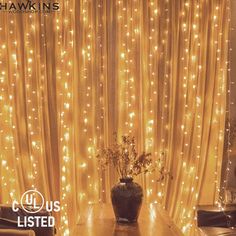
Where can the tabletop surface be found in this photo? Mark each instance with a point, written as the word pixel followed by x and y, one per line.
pixel 216 231
pixel 100 221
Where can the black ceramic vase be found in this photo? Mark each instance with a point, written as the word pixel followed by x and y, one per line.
pixel 126 197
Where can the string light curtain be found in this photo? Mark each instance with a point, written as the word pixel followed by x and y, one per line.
pixel 70 79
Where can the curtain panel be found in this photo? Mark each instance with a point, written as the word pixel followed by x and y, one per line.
pixel 69 79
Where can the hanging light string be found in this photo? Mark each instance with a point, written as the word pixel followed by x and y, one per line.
pixel 223 191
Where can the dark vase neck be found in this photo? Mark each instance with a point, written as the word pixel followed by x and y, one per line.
pixel 126 180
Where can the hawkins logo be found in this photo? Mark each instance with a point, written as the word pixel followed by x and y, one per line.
pixel 32 202
pixel 29 7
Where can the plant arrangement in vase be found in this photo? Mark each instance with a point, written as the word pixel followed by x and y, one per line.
pixel 127 195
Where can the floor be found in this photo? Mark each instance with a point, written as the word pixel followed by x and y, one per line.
pixel 100 221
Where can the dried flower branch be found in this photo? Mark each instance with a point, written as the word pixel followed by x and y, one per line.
pixel 124 158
